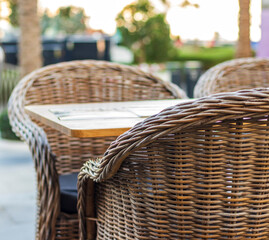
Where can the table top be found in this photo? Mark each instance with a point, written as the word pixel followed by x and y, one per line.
pixel 97 119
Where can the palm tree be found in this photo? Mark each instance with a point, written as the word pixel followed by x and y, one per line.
pixel 30 39
pixel 243 44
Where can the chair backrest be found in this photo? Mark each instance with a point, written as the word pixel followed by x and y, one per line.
pixel 81 82
pixel 233 75
pixel 198 170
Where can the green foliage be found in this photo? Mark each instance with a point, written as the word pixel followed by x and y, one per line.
pixel 145 32
pixel 46 22
pixel 13 16
pixel 160 43
pixel 187 3
pixel 5 127
pixel 69 20
pixel 9 77
pixel 207 56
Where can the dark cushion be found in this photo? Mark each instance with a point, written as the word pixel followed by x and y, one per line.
pixel 68 190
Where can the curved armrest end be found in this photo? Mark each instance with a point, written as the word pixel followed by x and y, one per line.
pixel 176 90
pixel 86 202
pixel 91 169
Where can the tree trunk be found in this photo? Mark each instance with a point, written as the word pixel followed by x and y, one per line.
pixel 243 44
pixel 30 39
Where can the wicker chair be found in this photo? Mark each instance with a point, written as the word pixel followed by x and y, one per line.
pixel 197 170
pixel 233 75
pixel 55 154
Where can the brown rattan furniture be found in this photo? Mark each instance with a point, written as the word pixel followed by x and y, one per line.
pixel 56 155
pixel 198 170
pixel 233 75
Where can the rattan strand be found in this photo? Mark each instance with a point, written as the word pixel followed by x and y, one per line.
pixel 198 170
pixel 54 153
pixel 233 75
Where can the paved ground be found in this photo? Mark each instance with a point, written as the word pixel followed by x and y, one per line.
pixel 17 192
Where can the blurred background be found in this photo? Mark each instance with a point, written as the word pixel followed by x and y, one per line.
pixel 175 39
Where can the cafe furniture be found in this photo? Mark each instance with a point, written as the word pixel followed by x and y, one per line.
pixel 233 75
pixel 196 170
pixel 59 157
pixel 91 120
pixel 102 119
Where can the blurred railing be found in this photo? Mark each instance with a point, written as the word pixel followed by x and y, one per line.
pixel 9 77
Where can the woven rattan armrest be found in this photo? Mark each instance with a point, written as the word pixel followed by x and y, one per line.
pixel 208 110
pixel 44 159
pixel 175 118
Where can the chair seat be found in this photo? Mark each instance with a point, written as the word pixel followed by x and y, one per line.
pixel 68 191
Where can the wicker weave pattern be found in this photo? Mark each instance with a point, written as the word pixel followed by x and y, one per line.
pixel 197 170
pixel 54 153
pixel 234 75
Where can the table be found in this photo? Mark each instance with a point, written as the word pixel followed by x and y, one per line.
pixel 97 119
